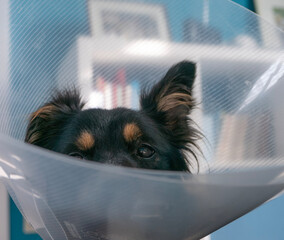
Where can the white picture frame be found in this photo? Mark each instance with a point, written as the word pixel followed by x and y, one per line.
pixel 272 11
pixel 127 20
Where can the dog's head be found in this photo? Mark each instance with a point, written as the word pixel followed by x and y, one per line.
pixel 155 137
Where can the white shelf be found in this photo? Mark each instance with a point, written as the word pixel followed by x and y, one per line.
pixel 119 50
pixel 90 51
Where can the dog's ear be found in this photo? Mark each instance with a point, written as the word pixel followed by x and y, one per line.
pixel 170 101
pixel 171 98
pixel 46 124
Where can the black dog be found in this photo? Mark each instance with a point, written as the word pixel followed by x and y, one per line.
pixel 155 137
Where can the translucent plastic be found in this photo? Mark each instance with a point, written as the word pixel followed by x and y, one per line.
pixel 131 44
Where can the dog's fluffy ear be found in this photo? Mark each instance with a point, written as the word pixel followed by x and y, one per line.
pixel 46 124
pixel 170 101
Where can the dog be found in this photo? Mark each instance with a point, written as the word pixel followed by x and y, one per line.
pixel 158 136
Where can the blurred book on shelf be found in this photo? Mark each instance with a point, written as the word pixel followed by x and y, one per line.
pixel 243 137
pixel 113 91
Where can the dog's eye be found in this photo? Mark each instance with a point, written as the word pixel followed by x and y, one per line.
pixel 145 151
pixel 76 154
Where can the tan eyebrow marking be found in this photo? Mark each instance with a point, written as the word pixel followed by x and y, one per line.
pixel 85 141
pixel 131 132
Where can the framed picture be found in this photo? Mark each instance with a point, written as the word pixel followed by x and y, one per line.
pixel 128 20
pixel 273 12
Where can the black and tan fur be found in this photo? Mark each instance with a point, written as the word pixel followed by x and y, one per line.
pixel 155 137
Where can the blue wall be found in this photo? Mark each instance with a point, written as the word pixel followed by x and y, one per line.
pixel 35 28
pixel 264 223
pixel 246 3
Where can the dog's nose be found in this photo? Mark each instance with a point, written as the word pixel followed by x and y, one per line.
pixel 122 161
pixel 117 159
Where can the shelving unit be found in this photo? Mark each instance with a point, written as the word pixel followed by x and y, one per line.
pixel 233 67
pixel 214 60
